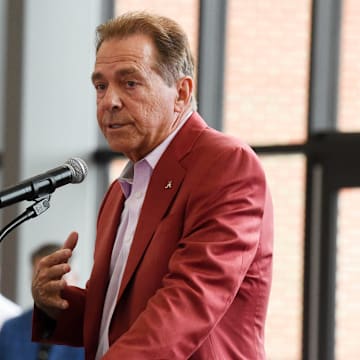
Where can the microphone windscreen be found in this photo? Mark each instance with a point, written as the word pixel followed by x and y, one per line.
pixel 78 168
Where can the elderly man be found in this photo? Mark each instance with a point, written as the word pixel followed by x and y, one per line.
pixel 183 253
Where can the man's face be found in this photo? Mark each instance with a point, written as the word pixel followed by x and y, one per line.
pixel 136 109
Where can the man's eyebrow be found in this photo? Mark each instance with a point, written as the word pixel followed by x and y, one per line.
pixel 96 76
pixel 119 73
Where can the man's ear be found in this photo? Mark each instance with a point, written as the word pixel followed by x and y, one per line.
pixel 184 89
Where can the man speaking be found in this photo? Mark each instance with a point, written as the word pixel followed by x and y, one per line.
pixel 183 253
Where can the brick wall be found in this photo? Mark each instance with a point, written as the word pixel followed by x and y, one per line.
pixel 267 70
pixel 349 79
pixel 348 275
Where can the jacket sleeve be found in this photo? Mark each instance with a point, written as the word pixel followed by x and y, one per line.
pixel 68 329
pixel 222 225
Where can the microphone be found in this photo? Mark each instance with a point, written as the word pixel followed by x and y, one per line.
pixel 73 171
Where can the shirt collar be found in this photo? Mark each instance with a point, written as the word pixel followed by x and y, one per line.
pixel 154 156
pixel 127 175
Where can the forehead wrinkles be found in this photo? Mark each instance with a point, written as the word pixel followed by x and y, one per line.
pixel 125 50
pixel 123 67
pixel 119 68
pixel 127 53
pixel 102 59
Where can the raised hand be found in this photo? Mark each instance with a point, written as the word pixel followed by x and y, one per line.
pixel 48 281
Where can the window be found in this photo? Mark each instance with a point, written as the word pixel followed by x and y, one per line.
pixel 349 82
pixel 267 70
pixel 278 97
pixel 265 104
pixel 347 276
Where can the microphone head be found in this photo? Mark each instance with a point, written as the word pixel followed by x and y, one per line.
pixel 78 168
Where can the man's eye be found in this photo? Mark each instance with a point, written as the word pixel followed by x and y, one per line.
pixel 99 87
pixel 131 84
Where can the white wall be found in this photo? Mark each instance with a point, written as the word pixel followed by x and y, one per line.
pixel 58 122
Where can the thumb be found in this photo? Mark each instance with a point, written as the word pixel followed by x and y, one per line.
pixel 71 241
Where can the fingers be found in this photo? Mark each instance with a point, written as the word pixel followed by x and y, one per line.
pixel 47 293
pixel 55 272
pixel 47 297
pixel 48 279
pixel 71 241
pixel 62 255
pixel 58 257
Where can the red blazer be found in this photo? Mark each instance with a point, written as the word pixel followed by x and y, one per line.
pixel 197 280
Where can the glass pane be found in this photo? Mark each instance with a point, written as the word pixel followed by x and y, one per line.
pixel 347 276
pixel 284 322
pixel 188 19
pixel 266 80
pixel 349 82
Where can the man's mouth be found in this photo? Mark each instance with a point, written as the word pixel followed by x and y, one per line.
pixel 115 126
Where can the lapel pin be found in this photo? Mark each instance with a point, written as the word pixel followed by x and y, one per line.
pixel 169 185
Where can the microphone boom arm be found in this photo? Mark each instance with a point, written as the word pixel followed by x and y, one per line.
pixel 36 209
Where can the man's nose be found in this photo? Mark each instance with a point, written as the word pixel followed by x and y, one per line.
pixel 112 99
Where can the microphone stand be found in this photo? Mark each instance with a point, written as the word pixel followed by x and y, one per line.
pixel 36 209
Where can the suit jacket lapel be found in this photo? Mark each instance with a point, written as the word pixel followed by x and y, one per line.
pixel 108 222
pixel 160 193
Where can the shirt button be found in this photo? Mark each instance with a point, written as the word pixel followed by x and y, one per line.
pixel 138 194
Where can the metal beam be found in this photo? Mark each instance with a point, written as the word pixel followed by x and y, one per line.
pixel 211 61
pixel 326 24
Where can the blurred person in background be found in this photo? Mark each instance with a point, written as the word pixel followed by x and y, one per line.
pixel 15 335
